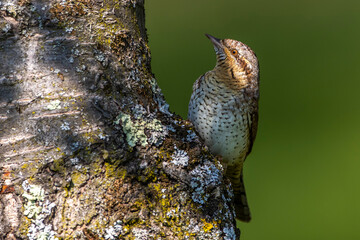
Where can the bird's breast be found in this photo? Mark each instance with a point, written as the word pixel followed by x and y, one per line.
pixel 221 119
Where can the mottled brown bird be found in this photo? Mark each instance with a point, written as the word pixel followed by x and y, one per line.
pixel 224 110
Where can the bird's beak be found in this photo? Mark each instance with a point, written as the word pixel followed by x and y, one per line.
pixel 216 42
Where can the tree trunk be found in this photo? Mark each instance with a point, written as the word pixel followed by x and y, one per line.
pixel 88 147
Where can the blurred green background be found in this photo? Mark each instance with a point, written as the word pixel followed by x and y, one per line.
pixel 303 176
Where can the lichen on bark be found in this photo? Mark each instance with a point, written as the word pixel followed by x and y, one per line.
pixel 88 146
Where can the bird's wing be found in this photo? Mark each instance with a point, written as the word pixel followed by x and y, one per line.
pixel 253 126
pixel 252 120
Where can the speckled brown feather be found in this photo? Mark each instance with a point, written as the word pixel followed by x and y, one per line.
pixel 224 110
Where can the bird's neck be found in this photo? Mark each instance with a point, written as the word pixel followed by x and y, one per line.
pixel 230 77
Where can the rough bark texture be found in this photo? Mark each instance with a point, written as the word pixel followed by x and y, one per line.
pixel 88 147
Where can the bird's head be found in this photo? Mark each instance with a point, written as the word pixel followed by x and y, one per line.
pixel 235 61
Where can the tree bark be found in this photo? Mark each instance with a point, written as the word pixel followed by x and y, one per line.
pixel 88 147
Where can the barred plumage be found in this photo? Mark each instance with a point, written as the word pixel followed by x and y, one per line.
pixel 224 110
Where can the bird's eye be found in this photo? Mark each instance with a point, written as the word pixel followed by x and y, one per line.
pixel 234 52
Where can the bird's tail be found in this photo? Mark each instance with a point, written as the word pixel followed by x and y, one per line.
pixel 242 209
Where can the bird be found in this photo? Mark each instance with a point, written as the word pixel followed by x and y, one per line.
pixel 223 109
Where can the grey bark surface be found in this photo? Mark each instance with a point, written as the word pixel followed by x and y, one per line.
pixel 88 146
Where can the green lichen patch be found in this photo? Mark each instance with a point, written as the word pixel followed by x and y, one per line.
pixel 135 130
pixel 37 208
pixel 33 195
